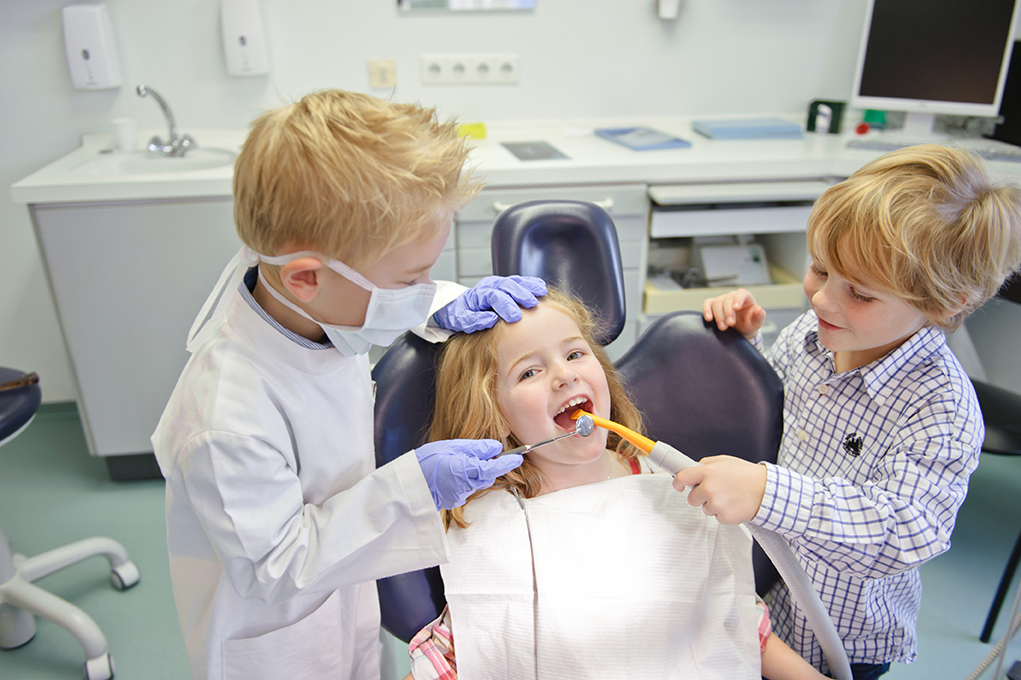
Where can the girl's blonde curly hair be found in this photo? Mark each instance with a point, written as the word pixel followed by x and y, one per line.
pixel 467 406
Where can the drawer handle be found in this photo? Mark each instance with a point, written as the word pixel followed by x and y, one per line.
pixel 606 204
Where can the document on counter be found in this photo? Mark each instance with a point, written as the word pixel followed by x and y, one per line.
pixel 534 151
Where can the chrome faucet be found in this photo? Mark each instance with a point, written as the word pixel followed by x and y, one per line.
pixel 177 145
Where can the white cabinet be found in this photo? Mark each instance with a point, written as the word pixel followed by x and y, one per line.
pixel 686 217
pixel 128 278
pixel 627 204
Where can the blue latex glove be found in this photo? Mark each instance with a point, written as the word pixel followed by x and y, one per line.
pixel 455 468
pixel 490 298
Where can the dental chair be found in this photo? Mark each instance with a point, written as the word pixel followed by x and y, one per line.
pixel 20 600
pixel 680 365
pixel 703 391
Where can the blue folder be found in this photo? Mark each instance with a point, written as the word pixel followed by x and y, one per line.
pixel 757 128
pixel 642 138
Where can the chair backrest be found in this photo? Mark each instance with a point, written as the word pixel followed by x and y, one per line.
pixel 405 392
pixel 571 245
pixel 707 392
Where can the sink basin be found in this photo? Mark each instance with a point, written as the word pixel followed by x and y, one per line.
pixel 146 163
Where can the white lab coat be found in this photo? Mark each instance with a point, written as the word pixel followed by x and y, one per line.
pixel 619 579
pixel 278 522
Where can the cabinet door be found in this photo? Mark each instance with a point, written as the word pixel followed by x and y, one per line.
pixel 128 280
pixel 627 204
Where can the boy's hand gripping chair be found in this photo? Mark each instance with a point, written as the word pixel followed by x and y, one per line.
pixel 20 600
pixel 703 391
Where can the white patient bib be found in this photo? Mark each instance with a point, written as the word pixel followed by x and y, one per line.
pixel 629 582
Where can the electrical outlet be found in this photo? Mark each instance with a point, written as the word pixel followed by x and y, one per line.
pixel 469 69
pixel 382 73
pixel 505 68
pixel 434 69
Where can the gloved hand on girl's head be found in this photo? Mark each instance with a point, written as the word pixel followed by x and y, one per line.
pixel 492 298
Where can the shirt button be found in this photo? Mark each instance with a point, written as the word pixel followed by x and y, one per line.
pixel 823 389
pixel 802 435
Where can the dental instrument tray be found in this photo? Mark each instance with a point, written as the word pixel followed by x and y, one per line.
pixel 642 138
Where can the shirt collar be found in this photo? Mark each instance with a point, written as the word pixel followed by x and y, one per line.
pixel 246 288
pixel 883 374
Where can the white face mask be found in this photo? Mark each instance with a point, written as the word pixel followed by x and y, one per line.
pixel 391 312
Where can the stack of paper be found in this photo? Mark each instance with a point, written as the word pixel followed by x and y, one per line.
pixel 757 128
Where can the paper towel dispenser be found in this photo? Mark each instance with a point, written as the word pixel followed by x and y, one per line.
pixel 91 50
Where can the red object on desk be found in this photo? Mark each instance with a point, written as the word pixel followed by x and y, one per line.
pixel 862 128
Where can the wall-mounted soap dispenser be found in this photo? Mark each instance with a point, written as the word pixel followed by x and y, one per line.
pixel 90 47
pixel 244 42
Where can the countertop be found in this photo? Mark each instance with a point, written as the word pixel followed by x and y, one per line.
pixel 591 160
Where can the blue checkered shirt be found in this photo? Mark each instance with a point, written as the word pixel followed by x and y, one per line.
pixel 872 469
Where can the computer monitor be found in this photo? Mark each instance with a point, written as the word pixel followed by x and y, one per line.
pixel 928 57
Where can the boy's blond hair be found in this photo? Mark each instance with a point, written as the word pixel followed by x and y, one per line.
pixel 925 224
pixel 347 175
pixel 467 406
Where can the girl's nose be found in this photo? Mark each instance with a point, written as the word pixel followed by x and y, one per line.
pixel 564 374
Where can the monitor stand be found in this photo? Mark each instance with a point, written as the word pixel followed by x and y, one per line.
pixel 918 129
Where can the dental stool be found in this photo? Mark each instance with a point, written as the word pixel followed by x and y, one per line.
pixel 20 600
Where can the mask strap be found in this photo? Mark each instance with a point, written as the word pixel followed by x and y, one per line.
pixel 210 317
pixel 336 265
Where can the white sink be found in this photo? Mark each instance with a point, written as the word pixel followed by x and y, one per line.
pixel 146 163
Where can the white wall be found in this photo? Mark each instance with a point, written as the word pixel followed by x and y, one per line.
pixel 579 58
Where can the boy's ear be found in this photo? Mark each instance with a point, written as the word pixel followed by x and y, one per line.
pixel 301 278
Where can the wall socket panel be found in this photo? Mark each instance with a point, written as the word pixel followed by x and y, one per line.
pixel 469 69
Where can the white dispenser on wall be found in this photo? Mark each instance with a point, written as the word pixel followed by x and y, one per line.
pixel 91 50
pixel 244 41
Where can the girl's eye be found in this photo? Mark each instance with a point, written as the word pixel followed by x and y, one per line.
pixel 527 374
pixel 576 354
pixel 818 271
pixel 855 295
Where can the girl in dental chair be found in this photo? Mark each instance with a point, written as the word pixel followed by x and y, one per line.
pixel 580 564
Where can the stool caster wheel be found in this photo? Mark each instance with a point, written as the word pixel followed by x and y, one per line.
pixel 100 668
pixel 124 576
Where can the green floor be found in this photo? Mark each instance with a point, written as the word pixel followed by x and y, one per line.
pixel 53 493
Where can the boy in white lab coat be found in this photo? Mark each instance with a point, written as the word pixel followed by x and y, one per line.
pixel 278 522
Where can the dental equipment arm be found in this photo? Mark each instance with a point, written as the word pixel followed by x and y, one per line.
pixel 776 548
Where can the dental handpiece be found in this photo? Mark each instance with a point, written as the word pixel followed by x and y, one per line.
pixel 584 427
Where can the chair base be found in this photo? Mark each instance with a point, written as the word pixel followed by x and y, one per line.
pixel 21 600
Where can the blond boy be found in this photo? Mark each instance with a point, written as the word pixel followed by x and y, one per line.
pixel 278 522
pixel 882 427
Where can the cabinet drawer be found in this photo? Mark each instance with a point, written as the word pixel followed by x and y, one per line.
pixel 786 292
pixel 623 199
pixel 725 221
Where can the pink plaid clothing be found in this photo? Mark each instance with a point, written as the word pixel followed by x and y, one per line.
pixel 432 649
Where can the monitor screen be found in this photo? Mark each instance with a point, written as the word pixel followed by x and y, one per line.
pixel 935 56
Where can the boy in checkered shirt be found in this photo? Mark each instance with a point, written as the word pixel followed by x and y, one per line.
pixel 882 427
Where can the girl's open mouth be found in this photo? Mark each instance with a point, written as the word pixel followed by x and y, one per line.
pixel 563 417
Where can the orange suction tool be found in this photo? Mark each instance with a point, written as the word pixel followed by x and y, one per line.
pixel 643 443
